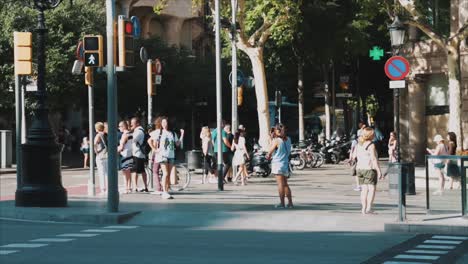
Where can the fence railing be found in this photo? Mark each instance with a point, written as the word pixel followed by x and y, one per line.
pixel 455 164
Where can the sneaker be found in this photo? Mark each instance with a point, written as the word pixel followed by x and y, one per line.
pixel 156 192
pixel 290 206
pixel 357 188
pixel 166 195
pixel 144 190
pixel 279 206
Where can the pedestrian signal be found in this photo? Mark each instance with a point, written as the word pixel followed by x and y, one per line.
pixel 125 42
pixel 93 51
pixel 89 76
pixel 240 95
pixel 23 53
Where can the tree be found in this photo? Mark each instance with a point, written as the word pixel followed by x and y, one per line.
pixel 259 21
pixel 66 25
pixel 451 45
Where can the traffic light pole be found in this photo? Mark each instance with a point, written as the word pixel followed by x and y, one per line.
pixel 19 121
pixel 149 76
pixel 92 176
pixel 234 121
pixel 219 102
pixel 112 190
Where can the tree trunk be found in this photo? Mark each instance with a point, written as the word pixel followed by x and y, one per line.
pixel 261 92
pixel 455 102
pixel 300 99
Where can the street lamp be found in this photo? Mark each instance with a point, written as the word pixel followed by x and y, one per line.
pixel 397 39
pixel 41 179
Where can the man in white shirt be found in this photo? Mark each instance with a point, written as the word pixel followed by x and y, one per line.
pixel 139 158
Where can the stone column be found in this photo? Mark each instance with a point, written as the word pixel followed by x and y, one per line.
pixel 173 26
pixel 416 120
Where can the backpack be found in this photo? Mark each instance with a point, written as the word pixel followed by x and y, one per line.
pixel 144 147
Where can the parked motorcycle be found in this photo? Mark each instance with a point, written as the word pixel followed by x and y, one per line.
pixel 259 165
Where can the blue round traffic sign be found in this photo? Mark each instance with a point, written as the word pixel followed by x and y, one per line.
pixel 240 78
pixel 397 68
pixel 136 26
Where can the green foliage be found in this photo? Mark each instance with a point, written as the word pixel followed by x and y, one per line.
pixel 66 25
pixel 372 105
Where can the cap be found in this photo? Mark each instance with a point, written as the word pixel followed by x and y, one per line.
pixel 241 127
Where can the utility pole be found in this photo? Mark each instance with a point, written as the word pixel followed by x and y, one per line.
pixel 113 192
pixel 92 176
pixel 235 122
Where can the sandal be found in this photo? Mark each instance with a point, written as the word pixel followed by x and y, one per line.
pixel 371 212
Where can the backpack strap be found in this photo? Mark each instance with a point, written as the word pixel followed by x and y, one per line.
pixel 372 143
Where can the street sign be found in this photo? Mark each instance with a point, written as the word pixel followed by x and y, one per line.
pixel 249 82
pixel 31 84
pixel 92 59
pixel 77 67
pixel 344 95
pixel 157 67
pixel 397 84
pixel 397 68
pixel 240 78
pixel 143 55
pixel 376 53
pixel 158 79
pixel 136 27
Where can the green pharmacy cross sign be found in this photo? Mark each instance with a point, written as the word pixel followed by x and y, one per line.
pixel 376 53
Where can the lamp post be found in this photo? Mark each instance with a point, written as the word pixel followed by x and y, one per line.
pixel 397 38
pixel 41 179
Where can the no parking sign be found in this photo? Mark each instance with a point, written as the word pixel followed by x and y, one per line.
pixel 397 68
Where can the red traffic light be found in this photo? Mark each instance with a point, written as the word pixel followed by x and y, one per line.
pixel 128 28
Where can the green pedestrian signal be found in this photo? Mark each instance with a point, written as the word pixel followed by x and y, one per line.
pixel 376 53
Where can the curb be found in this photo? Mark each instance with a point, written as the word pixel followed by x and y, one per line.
pixel 426 229
pixel 71 214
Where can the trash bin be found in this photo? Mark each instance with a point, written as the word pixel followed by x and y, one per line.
pixel 6 149
pixel 407 170
pixel 193 159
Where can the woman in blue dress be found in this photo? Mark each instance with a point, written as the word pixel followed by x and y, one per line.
pixel 279 152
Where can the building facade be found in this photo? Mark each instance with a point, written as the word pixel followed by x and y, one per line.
pixel 425 103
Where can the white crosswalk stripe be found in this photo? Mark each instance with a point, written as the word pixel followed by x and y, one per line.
pixel 100 230
pixel 451 237
pixel 78 235
pixel 421 257
pixel 24 245
pixel 436 252
pixel 433 241
pixel 52 240
pixel 6 252
pixel 406 262
pixel 435 247
pixel 121 227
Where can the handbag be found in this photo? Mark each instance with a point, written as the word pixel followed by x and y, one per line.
pixel 353 167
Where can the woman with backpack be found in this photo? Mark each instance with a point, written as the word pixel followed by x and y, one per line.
pixel 279 152
pixel 439 164
pixel 208 155
pixel 126 157
pixel 367 169
pixel 165 145
pixel 100 148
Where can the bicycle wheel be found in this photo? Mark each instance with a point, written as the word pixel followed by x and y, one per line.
pixel 182 179
pixel 320 159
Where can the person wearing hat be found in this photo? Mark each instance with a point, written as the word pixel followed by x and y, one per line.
pixel 439 164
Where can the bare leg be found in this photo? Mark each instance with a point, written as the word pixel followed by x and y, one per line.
pixel 287 191
pixel 364 193
pixel 85 160
pixel 145 179
pixel 135 180
pixel 441 179
pixel 165 177
pixel 370 197
pixel 357 180
pixel 451 182
pixel 279 181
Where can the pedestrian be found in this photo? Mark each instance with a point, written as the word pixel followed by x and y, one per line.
pixel 139 157
pixel 84 148
pixel 154 136
pixel 229 154
pixel 392 151
pixel 352 162
pixel 225 148
pixel 100 148
pixel 208 155
pixel 367 169
pixel 166 143
pixel 241 155
pixel 280 149
pixel 439 164
pixel 126 156
pixel 453 171
pixel 362 125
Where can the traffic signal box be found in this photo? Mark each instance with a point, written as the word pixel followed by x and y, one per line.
pixel 89 78
pixel 93 51
pixel 125 42
pixel 150 78
pixel 23 53
pixel 240 95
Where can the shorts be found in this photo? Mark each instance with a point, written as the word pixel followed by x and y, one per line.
pixel 439 165
pixel 367 177
pixel 168 161
pixel 138 165
pixel 280 169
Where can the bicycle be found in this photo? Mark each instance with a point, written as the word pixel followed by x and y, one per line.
pixel 180 183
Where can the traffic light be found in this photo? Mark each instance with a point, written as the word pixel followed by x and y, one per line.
pixel 23 53
pixel 240 95
pixel 89 78
pixel 125 42
pixel 93 51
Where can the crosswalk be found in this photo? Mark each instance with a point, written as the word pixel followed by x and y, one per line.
pixel 430 250
pixel 61 238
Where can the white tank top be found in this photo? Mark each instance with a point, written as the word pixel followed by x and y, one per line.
pixel 364 160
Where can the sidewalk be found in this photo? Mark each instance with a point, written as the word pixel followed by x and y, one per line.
pixel 324 201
